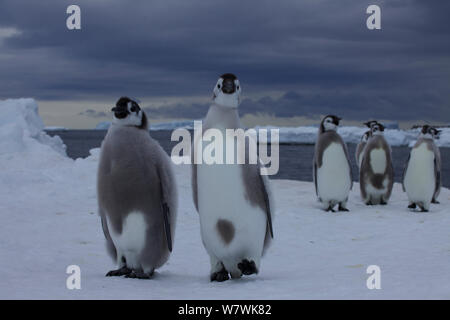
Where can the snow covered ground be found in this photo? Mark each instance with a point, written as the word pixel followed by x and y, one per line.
pixel 49 221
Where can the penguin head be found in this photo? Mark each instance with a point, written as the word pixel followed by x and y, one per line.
pixel 128 113
pixel 429 132
pixel 436 133
pixel 365 137
pixel 330 122
pixel 377 129
pixel 227 92
pixel 370 123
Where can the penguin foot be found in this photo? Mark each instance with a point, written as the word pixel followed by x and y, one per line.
pixel 412 206
pixel 138 274
pixel 220 276
pixel 435 201
pixel 369 203
pixel 330 208
pixel 341 208
pixel 383 203
pixel 119 272
pixel 247 267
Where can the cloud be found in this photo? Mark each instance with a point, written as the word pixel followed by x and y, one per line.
pixel 318 52
pixel 351 106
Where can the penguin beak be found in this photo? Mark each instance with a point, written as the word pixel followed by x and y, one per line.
pixel 228 86
pixel 120 112
pixel 336 120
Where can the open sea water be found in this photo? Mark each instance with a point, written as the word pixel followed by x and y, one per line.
pixel 295 159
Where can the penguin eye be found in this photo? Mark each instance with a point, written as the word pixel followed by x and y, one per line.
pixel 133 109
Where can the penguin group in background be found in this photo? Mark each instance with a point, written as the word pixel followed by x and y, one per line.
pixel 137 195
pixel 360 148
pixel 422 174
pixel 233 200
pixel 331 166
pixel 376 174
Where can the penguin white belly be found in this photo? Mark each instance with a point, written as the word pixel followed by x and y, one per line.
pixel 221 197
pixel 419 178
pixel 131 241
pixel 333 177
pixel 378 160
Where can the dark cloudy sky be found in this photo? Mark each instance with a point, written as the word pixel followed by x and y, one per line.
pixel 297 58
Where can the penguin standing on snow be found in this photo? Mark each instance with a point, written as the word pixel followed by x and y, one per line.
pixel 376 175
pixel 422 177
pixel 360 148
pixel 331 166
pixel 137 195
pixel 233 200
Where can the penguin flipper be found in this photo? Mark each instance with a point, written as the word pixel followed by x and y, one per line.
pixel 194 185
pixel 109 243
pixel 437 174
pixel 349 164
pixel 404 172
pixel 267 202
pixel 315 176
pixel 166 215
pixel 194 174
pixel 165 207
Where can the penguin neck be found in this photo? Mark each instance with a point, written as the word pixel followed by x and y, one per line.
pixel 144 122
pixel 426 136
pixel 323 130
pixel 220 116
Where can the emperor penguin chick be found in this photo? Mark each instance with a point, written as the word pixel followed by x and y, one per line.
pixel 137 195
pixel 233 200
pixel 422 176
pixel 361 146
pixel 331 166
pixel 376 174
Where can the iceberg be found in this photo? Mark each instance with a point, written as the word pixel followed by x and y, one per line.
pixel 21 128
pixel 352 134
pixel 103 125
pixel 186 124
